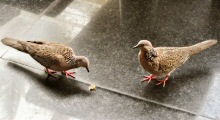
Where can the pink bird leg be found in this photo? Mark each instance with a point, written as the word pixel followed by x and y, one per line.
pixel 148 78
pixel 50 72
pixel 68 74
pixel 163 81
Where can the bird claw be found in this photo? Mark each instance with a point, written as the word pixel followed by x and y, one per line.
pixel 163 81
pixel 147 78
pixel 68 74
pixel 50 72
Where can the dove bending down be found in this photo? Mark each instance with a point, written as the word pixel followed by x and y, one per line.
pixel 53 56
pixel 162 61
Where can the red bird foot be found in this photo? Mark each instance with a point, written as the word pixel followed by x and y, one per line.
pixel 50 72
pixel 163 81
pixel 68 74
pixel 148 78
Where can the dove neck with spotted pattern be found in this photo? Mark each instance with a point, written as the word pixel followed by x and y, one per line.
pixel 149 52
pixel 82 61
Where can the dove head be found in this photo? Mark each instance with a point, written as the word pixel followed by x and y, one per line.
pixel 143 43
pixel 82 61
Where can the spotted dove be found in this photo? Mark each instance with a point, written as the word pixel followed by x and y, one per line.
pixel 53 56
pixel 162 61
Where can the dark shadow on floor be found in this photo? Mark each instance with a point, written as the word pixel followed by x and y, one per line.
pixel 61 86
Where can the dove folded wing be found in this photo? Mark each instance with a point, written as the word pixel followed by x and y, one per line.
pixel 51 55
pixel 171 58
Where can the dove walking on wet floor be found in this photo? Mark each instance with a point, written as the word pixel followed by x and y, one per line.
pixel 53 56
pixel 162 61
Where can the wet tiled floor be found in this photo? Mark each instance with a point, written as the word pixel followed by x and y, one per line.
pixel 105 31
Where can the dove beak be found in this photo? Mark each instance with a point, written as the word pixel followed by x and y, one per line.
pixel 87 69
pixel 136 46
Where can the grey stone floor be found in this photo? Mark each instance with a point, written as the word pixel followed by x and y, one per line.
pixel 106 31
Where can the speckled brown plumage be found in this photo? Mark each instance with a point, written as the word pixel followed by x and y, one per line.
pixel 51 55
pixel 161 61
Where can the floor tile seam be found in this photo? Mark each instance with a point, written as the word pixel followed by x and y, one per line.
pixel 53 4
pixel 113 90
pixel 149 101
pixel 125 94
pixel 4 53
pixel 117 91
pixel 206 117
pixel 146 100
pixel 20 63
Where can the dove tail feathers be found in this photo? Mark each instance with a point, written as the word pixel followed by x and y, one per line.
pixel 17 44
pixel 194 49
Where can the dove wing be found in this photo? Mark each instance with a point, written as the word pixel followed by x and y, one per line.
pixel 49 54
pixel 171 58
